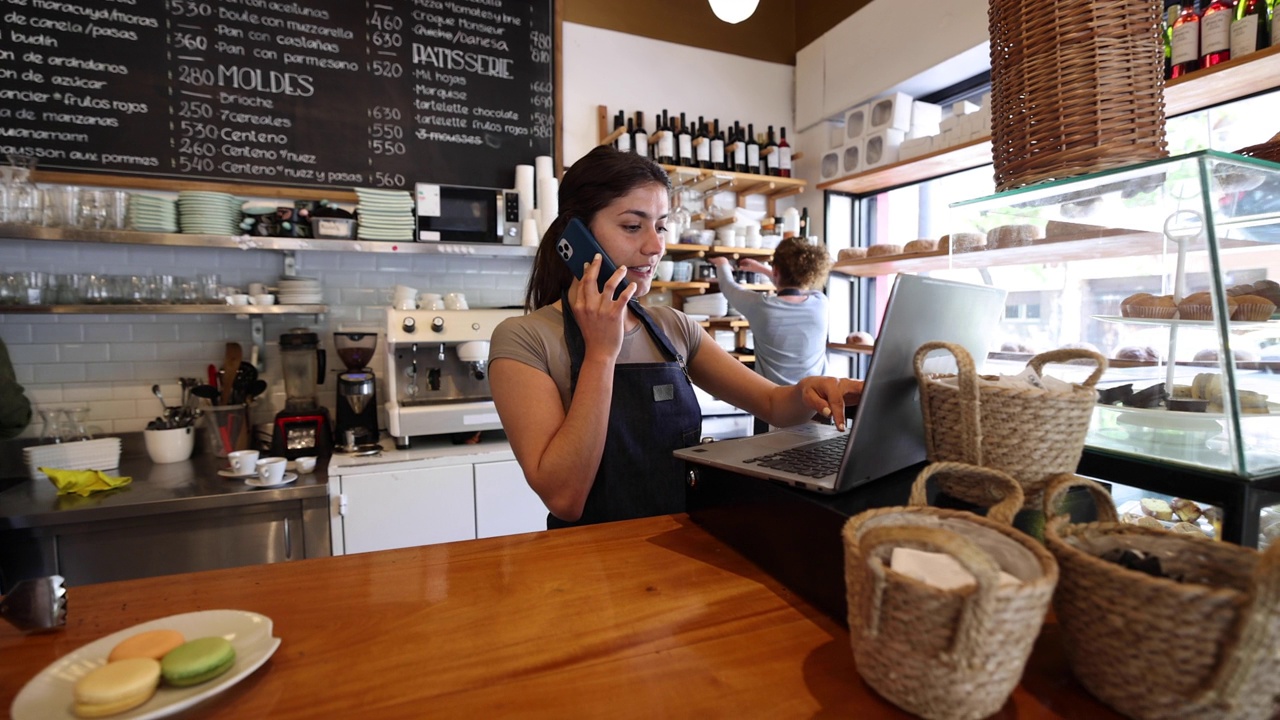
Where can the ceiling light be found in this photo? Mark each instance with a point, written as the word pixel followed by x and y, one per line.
pixel 733 11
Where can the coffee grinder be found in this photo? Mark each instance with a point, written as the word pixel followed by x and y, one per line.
pixel 303 427
pixel 357 426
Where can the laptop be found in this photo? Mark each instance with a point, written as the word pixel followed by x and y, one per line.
pixel 886 432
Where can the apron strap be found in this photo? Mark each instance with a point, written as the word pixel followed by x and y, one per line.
pixel 578 346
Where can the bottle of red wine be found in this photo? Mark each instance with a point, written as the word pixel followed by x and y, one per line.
pixel 640 139
pixel 717 146
pixel 1251 31
pixel 753 151
pixel 667 141
pixel 784 154
pixel 703 150
pixel 623 143
pixel 684 144
pixel 770 152
pixel 1185 40
pixel 1215 33
pixel 1172 9
pixel 739 140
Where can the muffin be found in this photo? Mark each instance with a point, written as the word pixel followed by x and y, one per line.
pixel 1253 308
pixel 884 249
pixel 1127 304
pixel 1199 306
pixel 920 246
pixel 963 242
pixel 1137 354
pixel 853 253
pixel 1160 307
pixel 1013 236
pixel 1269 289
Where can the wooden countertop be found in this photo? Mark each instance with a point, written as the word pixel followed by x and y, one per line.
pixel 647 618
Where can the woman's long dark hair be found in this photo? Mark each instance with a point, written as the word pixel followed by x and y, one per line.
pixel 595 180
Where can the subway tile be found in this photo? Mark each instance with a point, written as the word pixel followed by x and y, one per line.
pixel 129 425
pixel 15 333
pixel 68 332
pixel 115 409
pixel 362 296
pixel 135 390
pixel 163 330
pixel 33 354
pixel 74 392
pixel 159 370
pixel 44 256
pixel 60 373
pixel 45 394
pixel 132 351
pixel 104 331
pixel 84 352
pixel 13 254
pixel 320 261
pixel 24 374
pixel 152 257
pixel 108 372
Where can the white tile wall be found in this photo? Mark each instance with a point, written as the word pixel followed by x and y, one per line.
pixel 109 362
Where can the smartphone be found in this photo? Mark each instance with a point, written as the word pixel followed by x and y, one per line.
pixel 578 247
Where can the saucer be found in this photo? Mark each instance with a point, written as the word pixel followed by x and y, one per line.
pixel 288 478
pixel 229 473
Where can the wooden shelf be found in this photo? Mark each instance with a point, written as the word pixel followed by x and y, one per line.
pixel 851 350
pixel 166 309
pixel 1221 83
pixel 690 288
pixel 701 251
pixel 732 322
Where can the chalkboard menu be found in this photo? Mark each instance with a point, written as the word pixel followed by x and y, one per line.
pixel 341 93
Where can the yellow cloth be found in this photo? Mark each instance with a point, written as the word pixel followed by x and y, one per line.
pixel 83 482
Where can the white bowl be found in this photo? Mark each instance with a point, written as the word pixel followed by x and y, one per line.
pixel 170 446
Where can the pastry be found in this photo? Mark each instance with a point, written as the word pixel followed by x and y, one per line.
pixel 151 644
pixel 860 338
pixel 884 249
pixel 1188 528
pixel 1157 508
pixel 963 242
pixel 197 661
pixel 1016 347
pixel 1007 236
pixel 1153 306
pixel 1114 395
pixel 920 246
pixel 1148 522
pixel 1268 289
pixel 1253 308
pixel 116 687
pixel 1199 306
pixel 854 253
pixel 1186 510
pixel 1127 304
pixel 1211 355
pixel 1138 354
pixel 1150 397
pixel 1186 405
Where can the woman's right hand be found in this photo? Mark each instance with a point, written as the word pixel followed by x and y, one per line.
pixel 753 265
pixel 600 318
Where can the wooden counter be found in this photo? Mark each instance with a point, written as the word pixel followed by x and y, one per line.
pixel 647 618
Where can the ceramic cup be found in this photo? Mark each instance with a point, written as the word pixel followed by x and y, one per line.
pixel 238 299
pixel 263 299
pixel 455 301
pixel 682 271
pixel 257 288
pixel 665 269
pixel 243 461
pixel 305 465
pixel 271 470
pixel 431 301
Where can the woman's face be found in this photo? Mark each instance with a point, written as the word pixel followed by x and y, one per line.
pixel 631 228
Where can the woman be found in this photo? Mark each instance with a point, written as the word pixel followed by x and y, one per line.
pixel 596 393
pixel 790 327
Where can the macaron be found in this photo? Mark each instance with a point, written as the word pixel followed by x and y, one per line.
pixel 152 644
pixel 116 687
pixel 196 661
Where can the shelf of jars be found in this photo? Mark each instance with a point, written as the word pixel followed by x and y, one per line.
pixel 1231 80
pixel 20 231
pixel 163 309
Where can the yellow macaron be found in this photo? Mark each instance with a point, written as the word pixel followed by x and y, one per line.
pixel 116 687
pixel 150 644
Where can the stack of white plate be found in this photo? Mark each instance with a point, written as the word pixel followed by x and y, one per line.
pixel 712 304
pixel 100 454
pixel 299 291
pixel 209 213
pixel 385 215
pixel 149 213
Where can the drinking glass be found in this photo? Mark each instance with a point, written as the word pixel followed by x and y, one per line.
pixel 26 202
pixel 74 428
pixel 54 430
pixel 93 209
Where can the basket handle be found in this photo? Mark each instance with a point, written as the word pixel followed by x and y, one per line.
pixel 1058 487
pixel 1064 354
pixel 1005 489
pixel 967 380
pixel 1249 639
pixel 978 614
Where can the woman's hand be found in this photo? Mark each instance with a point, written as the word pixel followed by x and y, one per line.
pixel 753 265
pixel 599 316
pixel 828 395
pixel 721 262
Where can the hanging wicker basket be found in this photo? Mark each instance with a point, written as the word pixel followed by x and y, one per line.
pixel 1075 87
pixel 1156 648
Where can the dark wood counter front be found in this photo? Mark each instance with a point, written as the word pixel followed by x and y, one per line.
pixel 648 618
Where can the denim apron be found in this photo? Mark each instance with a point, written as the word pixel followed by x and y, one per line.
pixel 653 413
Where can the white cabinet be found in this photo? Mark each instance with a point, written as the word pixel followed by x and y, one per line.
pixel 394 509
pixel 505 504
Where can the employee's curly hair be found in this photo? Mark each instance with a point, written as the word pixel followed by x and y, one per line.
pixel 801 264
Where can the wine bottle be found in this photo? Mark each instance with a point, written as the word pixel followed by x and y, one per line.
pixel 804 222
pixel 703 151
pixel 684 144
pixel 1172 8
pixel 640 139
pixel 1215 33
pixel 739 141
pixel 1250 32
pixel 770 152
pixel 1185 40
pixel 717 146
pixel 623 143
pixel 753 150
pixel 784 155
pixel 667 141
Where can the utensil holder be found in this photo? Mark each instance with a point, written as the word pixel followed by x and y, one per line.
pixel 227 429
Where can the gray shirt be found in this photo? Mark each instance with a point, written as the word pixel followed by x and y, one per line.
pixel 537 340
pixel 790 338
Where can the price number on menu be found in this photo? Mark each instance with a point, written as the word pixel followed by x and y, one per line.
pixel 387 179
pixel 540 47
pixel 189 42
pixel 190 9
pixel 386 68
pixel 543 124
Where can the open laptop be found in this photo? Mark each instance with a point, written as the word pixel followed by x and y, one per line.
pixel 886 432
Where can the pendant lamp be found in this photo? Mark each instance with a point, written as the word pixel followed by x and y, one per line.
pixel 733 11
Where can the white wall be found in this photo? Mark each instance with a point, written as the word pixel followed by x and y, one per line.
pixel 628 72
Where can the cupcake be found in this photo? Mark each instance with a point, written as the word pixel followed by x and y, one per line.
pixel 1253 308
pixel 1156 306
pixel 1268 289
pixel 1128 303
pixel 1199 306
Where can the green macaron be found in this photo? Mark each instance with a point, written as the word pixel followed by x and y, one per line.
pixel 196 661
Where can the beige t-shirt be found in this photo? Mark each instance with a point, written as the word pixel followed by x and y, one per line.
pixel 537 340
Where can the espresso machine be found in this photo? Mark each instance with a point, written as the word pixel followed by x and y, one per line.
pixel 437 371
pixel 357 423
pixel 303 427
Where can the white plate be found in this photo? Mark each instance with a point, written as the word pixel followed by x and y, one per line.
pixel 227 473
pixel 288 478
pixel 48 696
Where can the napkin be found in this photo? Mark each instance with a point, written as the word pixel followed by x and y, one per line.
pixel 83 482
pixel 938 569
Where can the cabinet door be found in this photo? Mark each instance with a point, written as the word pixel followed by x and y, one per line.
pixel 403 509
pixel 505 504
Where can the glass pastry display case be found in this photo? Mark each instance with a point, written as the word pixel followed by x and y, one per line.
pixel 1169 269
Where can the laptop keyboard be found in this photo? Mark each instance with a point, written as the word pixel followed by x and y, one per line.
pixel 818 459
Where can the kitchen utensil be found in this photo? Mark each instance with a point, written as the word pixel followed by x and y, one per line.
pixel 208 392
pixel 155 390
pixel 256 388
pixel 246 376
pixel 230 366
pixel 212 374
pixel 36 605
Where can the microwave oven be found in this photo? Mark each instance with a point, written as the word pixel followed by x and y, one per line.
pixel 455 214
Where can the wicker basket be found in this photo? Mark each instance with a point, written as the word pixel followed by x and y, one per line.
pixel 1075 87
pixel 946 654
pixel 1029 433
pixel 1157 649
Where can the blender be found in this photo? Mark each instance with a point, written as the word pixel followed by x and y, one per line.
pixel 303 427
pixel 357 426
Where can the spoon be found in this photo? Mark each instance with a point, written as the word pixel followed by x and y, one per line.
pixel 208 392
pixel 155 390
pixel 256 388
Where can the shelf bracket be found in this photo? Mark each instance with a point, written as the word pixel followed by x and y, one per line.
pixel 290 264
pixel 258 353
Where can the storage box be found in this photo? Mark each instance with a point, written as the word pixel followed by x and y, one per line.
pixel 893 111
pixel 851 158
pixel 831 164
pixel 835 134
pixel 915 147
pixel 333 228
pixel 924 114
pixel 881 147
pixel 856 122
